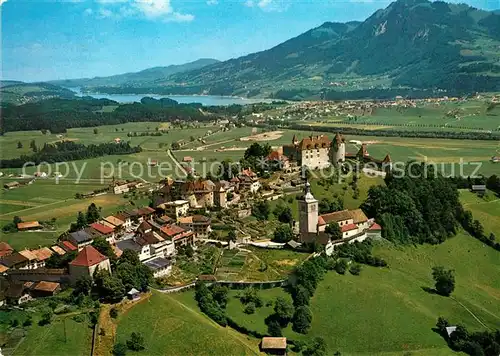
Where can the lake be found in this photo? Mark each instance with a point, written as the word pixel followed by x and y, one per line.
pixel 205 100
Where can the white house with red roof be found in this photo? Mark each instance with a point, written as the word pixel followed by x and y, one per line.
pixel 87 262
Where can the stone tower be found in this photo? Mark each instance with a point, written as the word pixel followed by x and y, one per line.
pixel 338 152
pixel 308 212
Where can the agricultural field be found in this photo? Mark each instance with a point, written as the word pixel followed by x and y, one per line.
pixel 44 200
pixel 394 299
pixel 170 325
pixel 486 210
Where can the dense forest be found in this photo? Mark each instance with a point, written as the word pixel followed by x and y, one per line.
pixel 58 115
pixel 68 151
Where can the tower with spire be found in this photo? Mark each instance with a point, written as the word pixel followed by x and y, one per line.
pixel 308 212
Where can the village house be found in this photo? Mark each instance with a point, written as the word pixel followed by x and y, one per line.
pixel 60 251
pixel 176 208
pixel 17 294
pixel 80 238
pixel 200 193
pixel 68 246
pixel 42 255
pixel 178 235
pixel 32 259
pixel 87 262
pixel 15 261
pixel 127 221
pixel 29 226
pixel 248 181
pixel 200 224
pixel 45 289
pixel 277 160
pixel 117 224
pixel 107 232
pixel 160 267
pixel 5 249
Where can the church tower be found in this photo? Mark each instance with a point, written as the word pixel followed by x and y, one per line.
pixel 308 212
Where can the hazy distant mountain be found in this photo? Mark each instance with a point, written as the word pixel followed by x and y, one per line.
pixel 17 93
pixel 411 43
pixel 150 75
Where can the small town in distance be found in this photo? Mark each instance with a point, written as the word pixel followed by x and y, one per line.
pixel 330 189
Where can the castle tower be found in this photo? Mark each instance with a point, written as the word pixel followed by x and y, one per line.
pixel 338 153
pixel 295 141
pixel 308 212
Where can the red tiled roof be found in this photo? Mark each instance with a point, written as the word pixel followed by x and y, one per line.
pixel 348 227
pixel 321 221
pixel 276 156
pixel 337 216
pixel 68 246
pixel 87 257
pixel 311 142
pixel 101 228
pixel 172 230
pixel 42 254
pixel 375 226
pixel 5 249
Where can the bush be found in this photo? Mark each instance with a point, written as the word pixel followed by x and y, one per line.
pixel 355 269
pixel 250 308
pixel 302 320
pixel 136 342
pixel 341 266
pixel 113 313
pixel 119 349
pixel 444 280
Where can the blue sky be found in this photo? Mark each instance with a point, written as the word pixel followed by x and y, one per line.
pixel 55 39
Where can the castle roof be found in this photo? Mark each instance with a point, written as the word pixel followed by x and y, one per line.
pixel 311 142
pixel 387 159
pixel 363 152
pixel 339 138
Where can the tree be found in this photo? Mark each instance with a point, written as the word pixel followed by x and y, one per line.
pixel 302 319
pixel 220 295
pixel 300 296
pixel 81 221
pixel 96 131
pixel 103 246
pixel 119 349
pixel 333 229
pixel 16 220
pixel 93 213
pixel 441 326
pixel 341 266
pixel 355 269
pixel 273 326
pixel 283 233
pixel 136 341
pixel 283 310
pixel 250 308
pixel 283 213
pixel 83 285
pixel 261 210
pixel 19 144
pixel 316 348
pixel 33 146
pixel 444 280
pixel 109 287
pixel 231 236
pixel 46 317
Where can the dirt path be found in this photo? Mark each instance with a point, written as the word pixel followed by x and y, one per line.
pixel 471 313
pixel 172 157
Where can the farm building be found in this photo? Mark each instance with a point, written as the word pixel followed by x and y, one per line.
pixel 12 185
pixel 45 289
pixel 273 345
pixel 87 262
pixel 29 225
pixel 160 266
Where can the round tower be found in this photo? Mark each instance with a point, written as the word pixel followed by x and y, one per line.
pixel 338 148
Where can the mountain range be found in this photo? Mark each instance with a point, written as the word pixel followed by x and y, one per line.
pixel 411 44
pixel 149 76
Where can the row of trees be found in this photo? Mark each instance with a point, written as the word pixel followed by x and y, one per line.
pixel 69 151
pixel 212 301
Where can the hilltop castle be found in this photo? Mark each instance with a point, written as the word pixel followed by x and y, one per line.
pixel 318 152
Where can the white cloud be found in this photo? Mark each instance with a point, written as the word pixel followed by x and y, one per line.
pixel 268 5
pixel 150 9
pixel 212 2
pixel 2 1
pixel 88 11
pixel 249 3
pixel 264 3
pixel 104 13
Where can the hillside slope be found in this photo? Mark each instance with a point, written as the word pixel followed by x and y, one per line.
pixel 149 76
pixel 411 43
pixel 19 93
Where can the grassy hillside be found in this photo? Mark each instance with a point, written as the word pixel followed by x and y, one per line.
pixel 386 311
pixel 21 93
pixel 171 327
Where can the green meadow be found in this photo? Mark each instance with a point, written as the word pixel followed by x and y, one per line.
pixel 386 311
pixel 173 325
